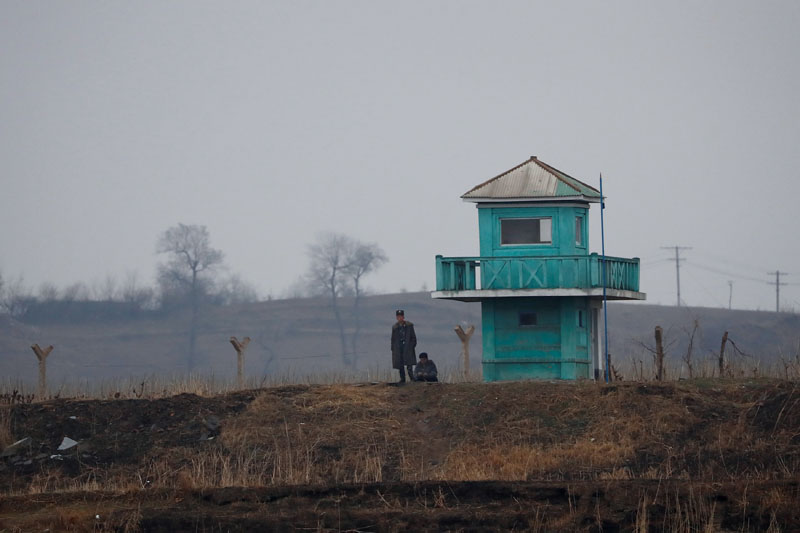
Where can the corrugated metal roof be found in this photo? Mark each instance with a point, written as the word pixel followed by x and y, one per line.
pixel 531 180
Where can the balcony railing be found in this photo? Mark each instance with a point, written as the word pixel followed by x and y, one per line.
pixel 556 272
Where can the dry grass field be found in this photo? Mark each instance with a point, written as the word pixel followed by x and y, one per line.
pixel 701 455
pixel 312 444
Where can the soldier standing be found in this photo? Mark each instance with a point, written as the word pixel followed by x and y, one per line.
pixel 404 340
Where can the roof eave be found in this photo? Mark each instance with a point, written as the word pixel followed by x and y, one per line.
pixel 579 198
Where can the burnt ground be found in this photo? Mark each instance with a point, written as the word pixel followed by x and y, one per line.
pixel 699 456
pixel 424 506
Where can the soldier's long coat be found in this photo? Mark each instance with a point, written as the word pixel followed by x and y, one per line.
pixel 407 356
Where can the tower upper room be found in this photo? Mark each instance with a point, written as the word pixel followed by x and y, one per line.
pixel 533 209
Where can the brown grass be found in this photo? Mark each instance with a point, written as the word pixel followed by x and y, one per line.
pixel 334 434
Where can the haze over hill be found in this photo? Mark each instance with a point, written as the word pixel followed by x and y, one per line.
pixel 299 337
pixel 269 122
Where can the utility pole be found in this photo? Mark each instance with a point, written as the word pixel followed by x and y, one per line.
pixel 677 265
pixel 777 284
pixel 730 294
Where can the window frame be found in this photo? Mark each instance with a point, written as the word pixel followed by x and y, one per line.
pixel 542 243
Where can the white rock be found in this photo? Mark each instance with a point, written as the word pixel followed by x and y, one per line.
pixel 67 443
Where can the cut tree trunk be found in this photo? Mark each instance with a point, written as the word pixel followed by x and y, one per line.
pixel 465 336
pixel 240 348
pixel 722 354
pixel 41 355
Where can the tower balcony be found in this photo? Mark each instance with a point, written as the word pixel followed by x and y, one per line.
pixel 457 278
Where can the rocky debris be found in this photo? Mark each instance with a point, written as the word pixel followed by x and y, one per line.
pixel 211 427
pixel 17 448
pixel 111 432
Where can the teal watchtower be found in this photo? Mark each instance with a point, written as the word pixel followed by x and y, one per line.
pixel 540 289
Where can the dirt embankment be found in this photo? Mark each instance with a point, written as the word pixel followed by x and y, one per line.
pixel 461 457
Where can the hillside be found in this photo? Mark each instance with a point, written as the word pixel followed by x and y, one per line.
pixel 295 338
pixel 717 455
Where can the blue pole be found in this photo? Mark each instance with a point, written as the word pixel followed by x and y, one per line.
pixel 603 262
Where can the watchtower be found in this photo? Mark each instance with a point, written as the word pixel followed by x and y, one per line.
pixel 540 289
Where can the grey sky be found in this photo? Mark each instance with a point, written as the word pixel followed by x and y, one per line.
pixel 271 121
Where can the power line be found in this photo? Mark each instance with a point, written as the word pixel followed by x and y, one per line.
pixel 677 265
pixel 777 284
pixel 731 263
pixel 651 262
pixel 732 270
pixel 725 272
pixel 706 290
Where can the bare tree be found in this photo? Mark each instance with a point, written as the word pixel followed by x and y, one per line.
pixel 299 288
pixel 270 339
pixel 48 292
pixel 338 266
pixel 16 298
pixel 187 272
pixel 659 350
pixel 105 290
pixel 330 260
pixel 77 292
pixel 364 259
pixel 235 290
pixel 138 297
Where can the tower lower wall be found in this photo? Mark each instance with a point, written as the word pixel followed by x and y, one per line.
pixel 537 338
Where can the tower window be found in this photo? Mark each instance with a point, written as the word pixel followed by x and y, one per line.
pixel 579 231
pixel 581 320
pixel 527 318
pixel 526 230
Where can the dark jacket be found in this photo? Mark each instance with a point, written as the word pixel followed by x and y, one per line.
pixel 403 353
pixel 425 371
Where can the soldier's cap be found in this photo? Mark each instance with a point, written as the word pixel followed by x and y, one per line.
pixel 423 355
pixel 400 312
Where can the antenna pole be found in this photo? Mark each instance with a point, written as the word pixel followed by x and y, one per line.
pixel 603 263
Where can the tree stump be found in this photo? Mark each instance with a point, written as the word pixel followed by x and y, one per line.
pixel 41 355
pixel 659 353
pixel 722 354
pixel 465 336
pixel 240 348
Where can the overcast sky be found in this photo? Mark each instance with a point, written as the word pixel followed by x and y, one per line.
pixel 270 122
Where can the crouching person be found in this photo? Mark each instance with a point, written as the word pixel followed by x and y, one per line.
pixel 425 369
